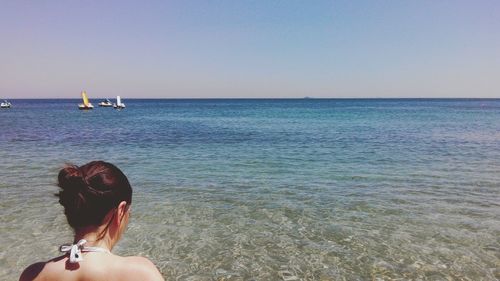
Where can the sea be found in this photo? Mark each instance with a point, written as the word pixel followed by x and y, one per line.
pixel 268 189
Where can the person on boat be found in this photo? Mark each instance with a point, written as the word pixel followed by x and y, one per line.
pixel 96 198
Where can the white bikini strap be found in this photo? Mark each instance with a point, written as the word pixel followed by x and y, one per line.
pixel 75 250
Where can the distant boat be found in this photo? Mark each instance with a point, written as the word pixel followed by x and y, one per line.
pixel 86 104
pixel 5 104
pixel 106 103
pixel 119 104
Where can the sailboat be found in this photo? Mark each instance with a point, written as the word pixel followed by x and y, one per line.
pixel 105 103
pixel 119 104
pixel 5 104
pixel 86 104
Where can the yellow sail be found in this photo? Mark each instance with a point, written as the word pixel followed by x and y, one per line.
pixel 85 98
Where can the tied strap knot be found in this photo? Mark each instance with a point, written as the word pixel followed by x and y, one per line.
pixel 75 251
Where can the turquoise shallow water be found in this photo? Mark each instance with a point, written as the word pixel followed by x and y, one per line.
pixel 269 189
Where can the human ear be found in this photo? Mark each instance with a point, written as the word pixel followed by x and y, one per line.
pixel 120 211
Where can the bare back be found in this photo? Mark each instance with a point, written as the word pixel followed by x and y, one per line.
pixel 95 267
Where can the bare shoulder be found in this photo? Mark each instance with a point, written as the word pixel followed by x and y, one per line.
pixel 140 268
pixel 39 270
pixel 32 272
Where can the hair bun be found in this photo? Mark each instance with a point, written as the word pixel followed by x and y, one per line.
pixel 71 178
pixel 72 183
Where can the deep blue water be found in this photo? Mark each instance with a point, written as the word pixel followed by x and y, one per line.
pixel 264 189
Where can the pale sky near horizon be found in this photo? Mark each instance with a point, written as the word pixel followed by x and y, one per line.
pixel 262 49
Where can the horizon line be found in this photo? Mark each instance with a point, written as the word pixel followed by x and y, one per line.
pixel 253 98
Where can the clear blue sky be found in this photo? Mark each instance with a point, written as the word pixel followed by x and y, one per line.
pixel 250 48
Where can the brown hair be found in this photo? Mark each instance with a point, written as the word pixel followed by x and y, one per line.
pixel 89 192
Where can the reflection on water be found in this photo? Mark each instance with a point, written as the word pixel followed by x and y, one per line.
pixel 270 190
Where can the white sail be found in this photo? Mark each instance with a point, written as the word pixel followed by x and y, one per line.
pixel 119 104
